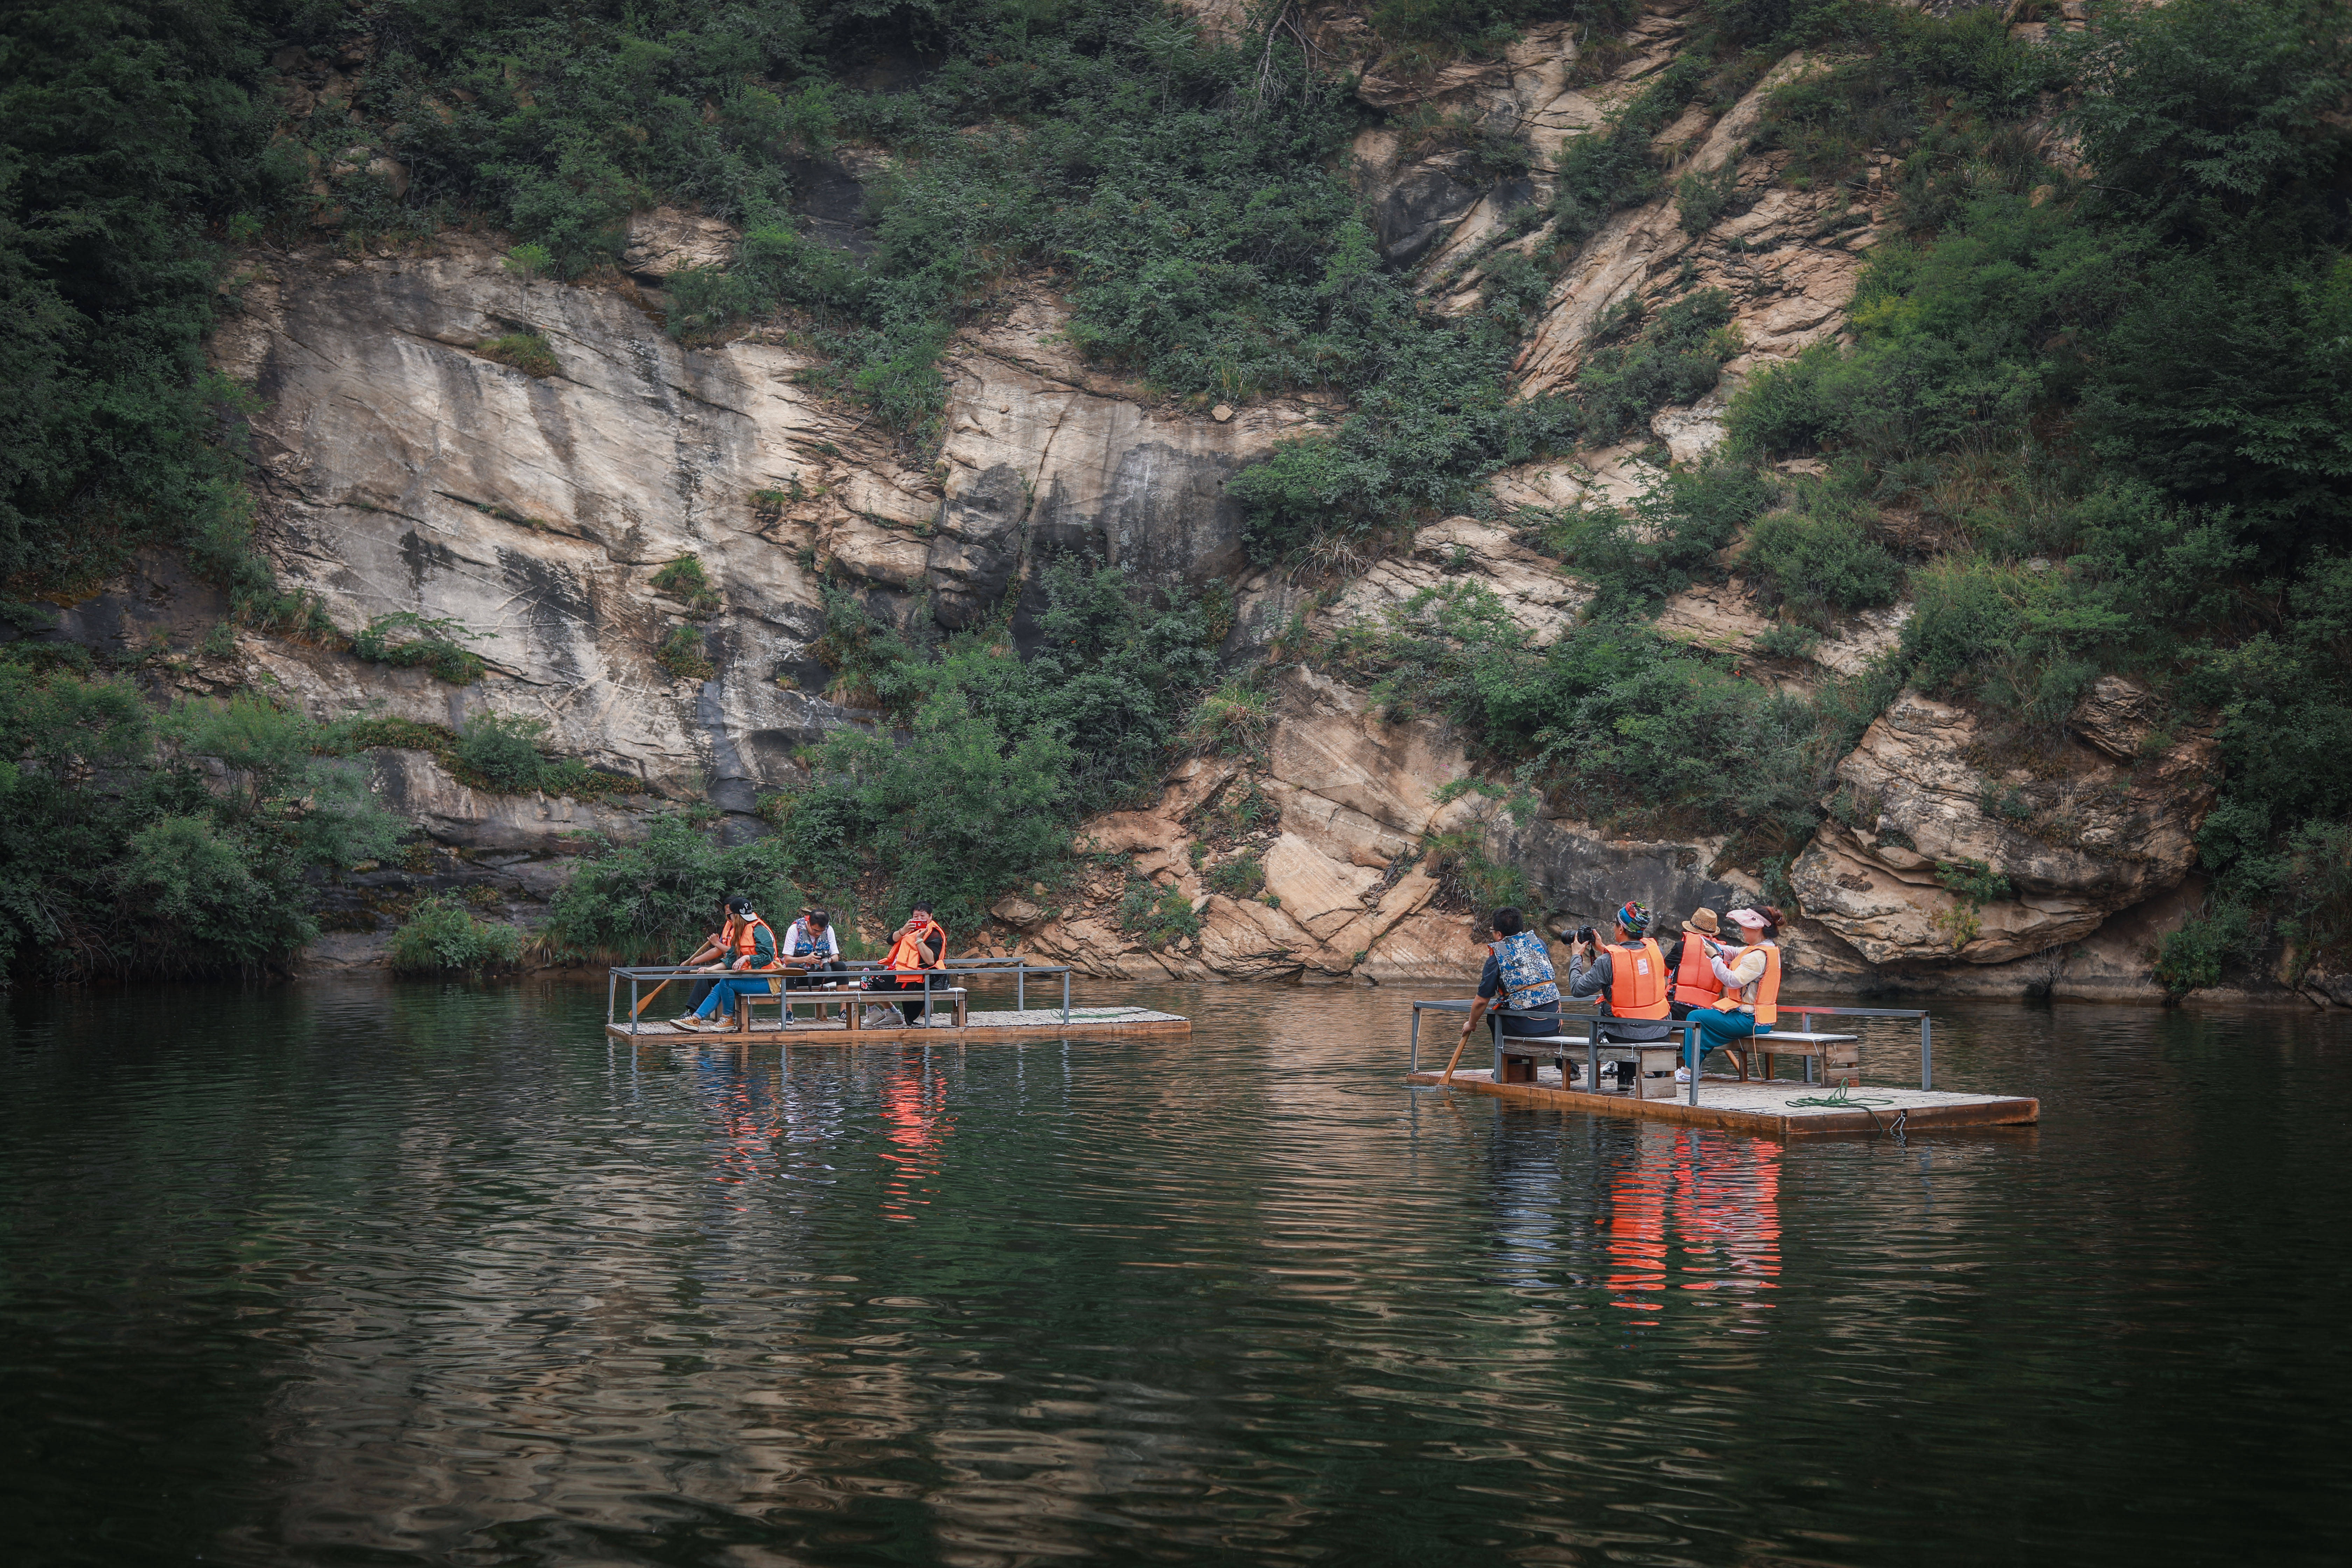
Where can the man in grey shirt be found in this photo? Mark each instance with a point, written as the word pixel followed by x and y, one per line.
pixel 1592 973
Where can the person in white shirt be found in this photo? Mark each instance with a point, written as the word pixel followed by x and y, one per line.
pixel 812 937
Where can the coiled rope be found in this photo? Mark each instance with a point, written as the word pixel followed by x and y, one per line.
pixel 1845 1100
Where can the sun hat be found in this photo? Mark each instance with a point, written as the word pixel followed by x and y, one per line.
pixel 1704 923
pixel 1749 918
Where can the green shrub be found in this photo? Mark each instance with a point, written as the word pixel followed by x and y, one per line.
pixel 1159 918
pixel 146 123
pixel 527 352
pixel 1677 358
pixel 406 640
pixel 1467 878
pixel 1238 878
pixel 2196 956
pixel 1609 166
pixel 504 752
pixel 441 936
pixel 655 902
pixel 1233 721
pixel 1631 727
pixel 1972 881
pixel 1665 541
pixel 1703 200
pixel 683 651
pixel 685 579
pixel 1822 560
pixel 1478 26
pixel 1433 420
pixel 1788 639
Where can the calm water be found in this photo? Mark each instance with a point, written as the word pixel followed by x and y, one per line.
pixel 374 1274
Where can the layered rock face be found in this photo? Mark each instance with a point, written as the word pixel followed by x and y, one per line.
pixel 409 470
pixel 417 456
pixel 1925 819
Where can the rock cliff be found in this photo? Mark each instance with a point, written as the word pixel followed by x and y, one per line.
pixel 410 459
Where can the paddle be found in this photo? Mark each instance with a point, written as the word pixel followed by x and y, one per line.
pixel 1475 1008
pixel 650 995
pixel 784 966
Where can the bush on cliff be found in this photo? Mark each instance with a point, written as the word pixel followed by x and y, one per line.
pixel 653 902
pixel 441 936
pixel 122 853
pixel 997 757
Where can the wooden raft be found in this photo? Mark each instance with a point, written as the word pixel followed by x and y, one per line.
pixel 1762 1106
pixel 1030 1024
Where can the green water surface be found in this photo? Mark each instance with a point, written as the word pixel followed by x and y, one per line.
pixel 375 1274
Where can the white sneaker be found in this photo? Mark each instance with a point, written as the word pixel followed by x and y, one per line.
pixel 1681 1074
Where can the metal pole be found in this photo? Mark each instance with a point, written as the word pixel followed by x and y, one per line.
pixel 634 1008
pixel 611 990
pixel 1496 1025
pixel 1927 1054
pixel 1416 1039
pixel 1021 985
pixel 1066 997
pixel 1690 1058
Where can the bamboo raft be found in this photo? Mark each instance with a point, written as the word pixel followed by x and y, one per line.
pixel 1762 1106
pixel 839 1011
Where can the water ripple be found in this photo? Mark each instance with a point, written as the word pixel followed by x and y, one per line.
pixel 362 1273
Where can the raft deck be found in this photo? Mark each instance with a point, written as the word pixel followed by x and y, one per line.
pixel 1026 1024
pixel 1762 1106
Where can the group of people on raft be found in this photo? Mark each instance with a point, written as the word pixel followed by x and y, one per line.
pixel 1729 991
pixel 745 950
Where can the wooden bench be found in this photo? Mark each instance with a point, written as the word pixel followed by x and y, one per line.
pixel 1840 1054
pixel 1654 1060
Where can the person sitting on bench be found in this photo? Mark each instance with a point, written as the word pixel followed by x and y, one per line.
pixel 1752 987
pixel 811 938
pixel 750 952
pixel 1691 982
pixel 1519 968
pixel 918 945
pixel 1628 975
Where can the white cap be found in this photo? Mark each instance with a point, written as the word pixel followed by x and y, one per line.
pixel 1747 918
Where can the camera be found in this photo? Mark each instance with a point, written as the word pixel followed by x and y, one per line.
pixel 1587 935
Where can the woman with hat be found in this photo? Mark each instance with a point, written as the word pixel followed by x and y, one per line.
pixel 1751 986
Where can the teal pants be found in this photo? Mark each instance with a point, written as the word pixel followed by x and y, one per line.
pixel 1716 1030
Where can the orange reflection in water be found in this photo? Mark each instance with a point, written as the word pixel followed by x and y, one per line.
pixel 914 1126
pixel 1693 1212
pixel 750 1118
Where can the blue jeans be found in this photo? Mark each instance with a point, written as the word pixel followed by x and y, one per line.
pixel 723 994
pixel 1717 1029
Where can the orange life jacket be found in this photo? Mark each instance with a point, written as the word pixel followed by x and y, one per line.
pixel 1695 982
pixel 1768 987
pixel 907 954
pixel 1637 981
pixel 740 942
